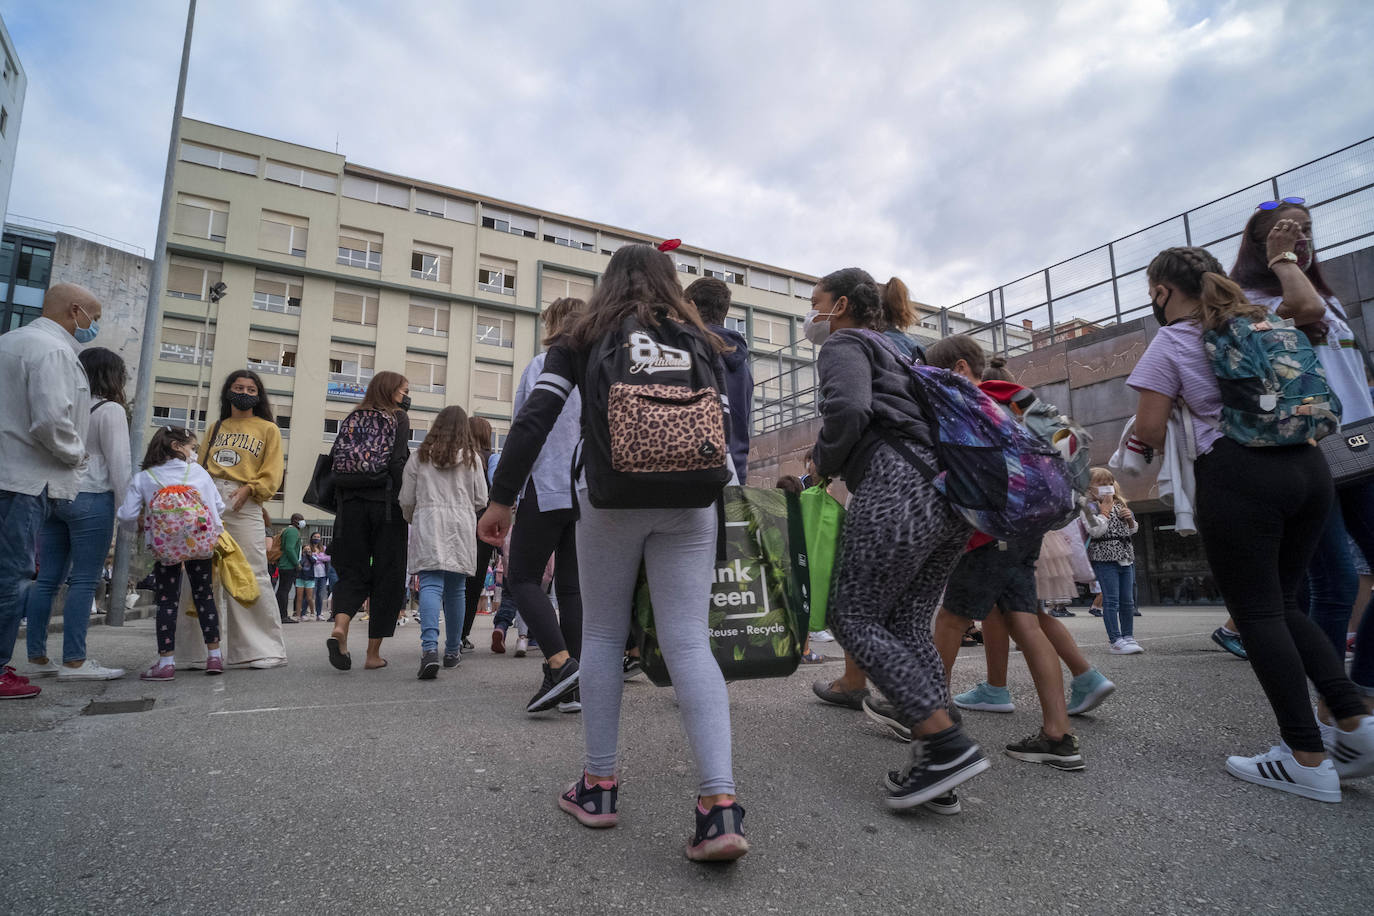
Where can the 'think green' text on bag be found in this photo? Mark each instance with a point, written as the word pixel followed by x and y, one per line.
pixel 759 607
pixel 823 519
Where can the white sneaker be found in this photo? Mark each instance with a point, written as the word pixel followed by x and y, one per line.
pixel 522 646
pixel 47 669
pixel 1138 647
pixel 1352 753
pixel 1278 770
pixel 822 636
pixel 90 670
pixel 263 663
pixel 1124 646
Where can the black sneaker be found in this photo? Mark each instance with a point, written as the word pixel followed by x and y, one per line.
pixel 1062 612
pixel 888 716
pixel 429 665
pixel 467 645
pixel 555 685
pixel 571 702
pixel 720 834
pixel 593 806
pixel 939 762
pixel 632 667
pixel 1038 748
pixel 452 659
pixel 1096 612
pixel 947 804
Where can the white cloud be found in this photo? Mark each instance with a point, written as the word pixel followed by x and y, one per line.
pixel 957 146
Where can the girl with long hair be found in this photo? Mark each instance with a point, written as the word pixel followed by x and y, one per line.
pixel 1259 512
pixel 676 545
pixel 1277 267
pixel 442 489
pixel 480 429
pixel 369 545
pixel 76 536
pixel 1113 557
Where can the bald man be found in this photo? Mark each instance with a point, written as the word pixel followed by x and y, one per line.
pixel 43 413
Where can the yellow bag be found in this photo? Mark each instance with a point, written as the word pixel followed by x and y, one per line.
pixel 234 573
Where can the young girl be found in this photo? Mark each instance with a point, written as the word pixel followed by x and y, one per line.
pixel 1260 513
pixel 170 461
pixel 676 545
pixel 442 490
pixel 1110 525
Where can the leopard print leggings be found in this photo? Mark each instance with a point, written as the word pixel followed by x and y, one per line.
pixel 901 540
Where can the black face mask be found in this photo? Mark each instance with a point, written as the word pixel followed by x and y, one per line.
pixel 405 402
pixel 1160 308
pixel 243 401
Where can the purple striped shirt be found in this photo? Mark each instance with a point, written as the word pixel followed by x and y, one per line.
pixel 1175 365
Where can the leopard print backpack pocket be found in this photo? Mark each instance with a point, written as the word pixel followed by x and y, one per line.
pixel 660 429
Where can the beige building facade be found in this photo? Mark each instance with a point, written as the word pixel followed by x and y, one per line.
pixel 334 271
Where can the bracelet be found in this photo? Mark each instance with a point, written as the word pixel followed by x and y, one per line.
pixel 1286 256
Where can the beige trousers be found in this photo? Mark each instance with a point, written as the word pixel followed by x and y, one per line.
pixel 247 634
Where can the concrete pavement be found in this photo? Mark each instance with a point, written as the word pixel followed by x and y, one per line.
pixel 306 790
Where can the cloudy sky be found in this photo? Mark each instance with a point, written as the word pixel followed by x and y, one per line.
pixel 958 146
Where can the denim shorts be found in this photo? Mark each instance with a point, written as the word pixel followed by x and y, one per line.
pixel 304 583
pixel 1001 573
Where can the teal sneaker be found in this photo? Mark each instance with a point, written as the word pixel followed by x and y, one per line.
pixel 1087 691
pixel 1230 642
pixel 987 698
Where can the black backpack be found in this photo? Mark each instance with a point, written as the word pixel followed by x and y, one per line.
pixel 653 423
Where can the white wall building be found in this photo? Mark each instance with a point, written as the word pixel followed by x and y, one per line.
pixel 13 83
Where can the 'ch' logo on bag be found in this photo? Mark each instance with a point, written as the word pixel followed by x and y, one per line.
pixel 1357 441
pixel 649 356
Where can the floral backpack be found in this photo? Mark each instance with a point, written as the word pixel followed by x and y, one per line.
pixel 179 524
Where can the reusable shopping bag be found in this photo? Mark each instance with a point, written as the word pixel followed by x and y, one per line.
pixel 823 522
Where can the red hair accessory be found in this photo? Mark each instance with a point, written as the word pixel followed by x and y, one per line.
pixel 669 244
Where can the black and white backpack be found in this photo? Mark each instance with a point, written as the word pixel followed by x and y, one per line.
pixel 653 419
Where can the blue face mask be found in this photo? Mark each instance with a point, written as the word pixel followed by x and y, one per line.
pixel 88 333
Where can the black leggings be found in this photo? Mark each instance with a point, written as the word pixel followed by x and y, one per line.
pixel 167 589
pixel 1260 513
pixel 476 583
pixel 537 536
pixel 369 552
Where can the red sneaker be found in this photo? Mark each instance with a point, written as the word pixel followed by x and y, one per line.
pixel 159 673
pixel 498 641
pixel 9 669
pixel 14 687
pixel 214 664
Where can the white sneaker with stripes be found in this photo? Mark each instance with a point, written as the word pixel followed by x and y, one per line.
pixel 1352 752
pixel 1277 769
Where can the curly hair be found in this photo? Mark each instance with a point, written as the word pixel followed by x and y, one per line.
pixel 1199 275
pixel 449 442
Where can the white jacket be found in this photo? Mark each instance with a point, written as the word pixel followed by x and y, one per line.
pixel 1177 485
pixel 442 507
pixel 142 489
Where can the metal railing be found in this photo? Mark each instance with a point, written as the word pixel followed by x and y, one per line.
pixel 1106 286
pixel 47 225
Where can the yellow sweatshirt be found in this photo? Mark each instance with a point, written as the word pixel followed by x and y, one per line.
pixel 246 451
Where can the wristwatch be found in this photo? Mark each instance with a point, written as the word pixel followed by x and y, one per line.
pixel 1286 256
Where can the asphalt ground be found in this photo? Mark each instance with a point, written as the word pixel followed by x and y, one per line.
pixel 305 790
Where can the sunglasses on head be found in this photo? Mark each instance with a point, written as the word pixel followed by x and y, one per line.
pixel 1275 204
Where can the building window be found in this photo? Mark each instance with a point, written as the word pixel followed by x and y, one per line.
pixel 191 279
pixel 333 416
pixel 802 290
pixel 686 263
pixel 739 325
pixel 495 275
pixel 376 192
pixel 215 158
pixel 514 223
pixel 283 233
pixel 610 244
pixel 277 293
pixel 771 330
pixel 429 318
pixel 432 263
pixel 500 430
pixel 492 383
pixel 360 248
pixel 570 236
pixel 495 331
pixel 419 428
pixel 301 177
pixel 426 372
pixel 282 412
pixel 353 305
pixel 201 218
pixel 350 369
pixel 271 353
pixel 187 342
pixel 431 204
pixel 555 285
pixel 773 283
pixel 727 272
pixel 177 406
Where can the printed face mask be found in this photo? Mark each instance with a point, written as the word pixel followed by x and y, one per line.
pixel 242 400
pixel 815 328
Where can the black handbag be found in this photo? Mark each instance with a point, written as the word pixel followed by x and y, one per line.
pixel 1350 451
pixel 320 492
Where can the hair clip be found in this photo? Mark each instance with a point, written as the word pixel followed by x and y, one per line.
pixel 669 245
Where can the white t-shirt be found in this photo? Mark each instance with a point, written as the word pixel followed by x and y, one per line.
pixel 1340 357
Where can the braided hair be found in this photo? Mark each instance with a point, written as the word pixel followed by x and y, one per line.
pixel 865 302
pixel 1199 275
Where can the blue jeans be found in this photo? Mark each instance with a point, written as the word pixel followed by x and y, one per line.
pixel 505 614
pixel 21 518
pixel 1332 581
pixel 448 591
pixel 1118 598
pixel 71 546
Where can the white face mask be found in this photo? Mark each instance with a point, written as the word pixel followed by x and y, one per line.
pixel 1106 492
pixel 815 328
pixel 301 524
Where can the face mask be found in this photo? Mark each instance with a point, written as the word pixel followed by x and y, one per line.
pixel 88 333
pixel 1303 249
pixel 301 524
pixel 816 329
pixel 405 402
pixel 1106 492
pixel 243 401
pixel 1160 307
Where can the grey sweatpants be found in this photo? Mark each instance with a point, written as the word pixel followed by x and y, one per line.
pixel 678 547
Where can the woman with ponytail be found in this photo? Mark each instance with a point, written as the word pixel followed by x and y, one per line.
pixel 897 316
pixel 1259 512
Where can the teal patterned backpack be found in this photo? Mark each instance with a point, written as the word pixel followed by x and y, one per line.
pixel 1273 387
